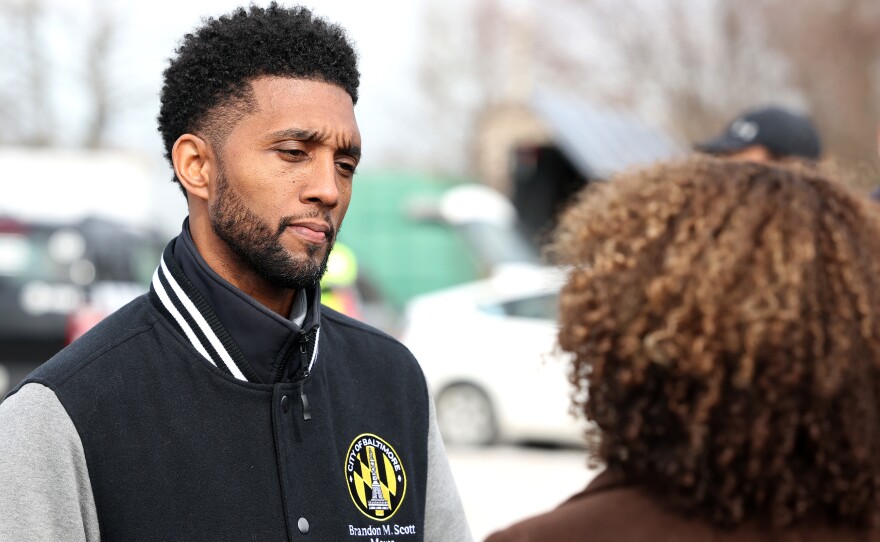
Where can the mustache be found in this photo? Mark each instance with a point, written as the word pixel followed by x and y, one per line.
pixel 286 221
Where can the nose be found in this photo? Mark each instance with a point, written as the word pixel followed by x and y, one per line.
pixel 321 187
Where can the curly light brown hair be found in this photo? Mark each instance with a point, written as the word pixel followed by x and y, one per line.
pixel 724 321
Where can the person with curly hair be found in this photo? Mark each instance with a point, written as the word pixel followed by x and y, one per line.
pixel 228 403
pixel 723 320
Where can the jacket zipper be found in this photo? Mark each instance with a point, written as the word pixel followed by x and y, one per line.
pixel 304 365
pixel 279 371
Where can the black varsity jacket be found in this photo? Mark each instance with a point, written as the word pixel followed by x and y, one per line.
pixel 150 429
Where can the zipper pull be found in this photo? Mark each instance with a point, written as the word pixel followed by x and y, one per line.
pixel 307 411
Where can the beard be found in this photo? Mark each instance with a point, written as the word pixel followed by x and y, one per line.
pixel 258 244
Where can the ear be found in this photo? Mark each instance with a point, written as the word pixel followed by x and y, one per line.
pixel 193 164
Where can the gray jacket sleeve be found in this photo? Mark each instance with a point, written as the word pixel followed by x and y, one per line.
pixel 444 514
pixel 45 492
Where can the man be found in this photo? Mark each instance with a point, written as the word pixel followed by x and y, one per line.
pixel 767 134
pixel 227 404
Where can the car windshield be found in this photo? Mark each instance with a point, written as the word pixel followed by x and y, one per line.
pixel 540 307
pixel 36 255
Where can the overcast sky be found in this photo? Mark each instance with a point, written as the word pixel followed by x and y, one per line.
pixel 385 32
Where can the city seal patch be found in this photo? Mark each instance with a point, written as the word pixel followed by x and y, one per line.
pixel 376 477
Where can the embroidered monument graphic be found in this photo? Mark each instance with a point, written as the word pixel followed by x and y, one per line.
pixel 376 477
pixel 377 502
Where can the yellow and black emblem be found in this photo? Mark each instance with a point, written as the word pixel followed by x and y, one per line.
pixel 376 479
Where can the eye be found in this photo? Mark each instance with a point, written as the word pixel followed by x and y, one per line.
pixel 347 167
pixel 293 153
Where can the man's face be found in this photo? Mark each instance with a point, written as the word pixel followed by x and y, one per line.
pixel 752 153
pixel 284 179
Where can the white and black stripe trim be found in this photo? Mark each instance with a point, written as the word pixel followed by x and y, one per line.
pixel 169 307
pixel 184 313
pixel 191 322
pixel 314 349
pixel 175 295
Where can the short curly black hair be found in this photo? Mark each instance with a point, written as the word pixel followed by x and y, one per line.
pixel 207 86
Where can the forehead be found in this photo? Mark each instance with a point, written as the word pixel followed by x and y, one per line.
pixel 283 103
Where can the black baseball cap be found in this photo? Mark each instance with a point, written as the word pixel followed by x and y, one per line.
pixel 780 131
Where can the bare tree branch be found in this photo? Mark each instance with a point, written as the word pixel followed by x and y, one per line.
pixel 41 120
pixel 98 79
pixel 33 78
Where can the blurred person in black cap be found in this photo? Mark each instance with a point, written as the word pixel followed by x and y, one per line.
pixel 767 134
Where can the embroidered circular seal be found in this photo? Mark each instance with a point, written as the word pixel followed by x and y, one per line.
pixel 375 475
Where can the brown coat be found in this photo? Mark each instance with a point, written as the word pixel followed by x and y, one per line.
pixel 609 510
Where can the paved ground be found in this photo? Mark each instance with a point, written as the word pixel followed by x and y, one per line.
pixel 502 484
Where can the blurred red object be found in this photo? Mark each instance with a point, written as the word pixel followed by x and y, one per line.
pixel 80 321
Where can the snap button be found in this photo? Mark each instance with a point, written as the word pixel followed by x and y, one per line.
pixel 285 403
pixel 303 525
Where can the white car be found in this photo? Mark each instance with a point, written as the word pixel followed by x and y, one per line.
pixel 488 350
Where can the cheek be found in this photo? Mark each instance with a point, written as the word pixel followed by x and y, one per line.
pixel 344 200
pixel 261 190
pixel 262 206
pixel 345 193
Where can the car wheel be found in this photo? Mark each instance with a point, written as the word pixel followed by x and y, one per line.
pixel 466 416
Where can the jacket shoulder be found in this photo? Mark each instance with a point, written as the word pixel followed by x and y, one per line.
pixel 351 339
pixel 117 329
pixel 349 325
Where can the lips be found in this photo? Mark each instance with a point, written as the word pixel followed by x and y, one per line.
pixel 313 232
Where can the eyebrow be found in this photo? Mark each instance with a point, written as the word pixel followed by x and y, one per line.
pixel 312 136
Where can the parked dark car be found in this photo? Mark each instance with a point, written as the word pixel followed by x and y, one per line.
pixel 56 277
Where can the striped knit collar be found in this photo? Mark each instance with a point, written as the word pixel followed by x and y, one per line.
pixel 175 296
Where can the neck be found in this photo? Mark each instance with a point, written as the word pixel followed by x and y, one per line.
pixel 229 265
